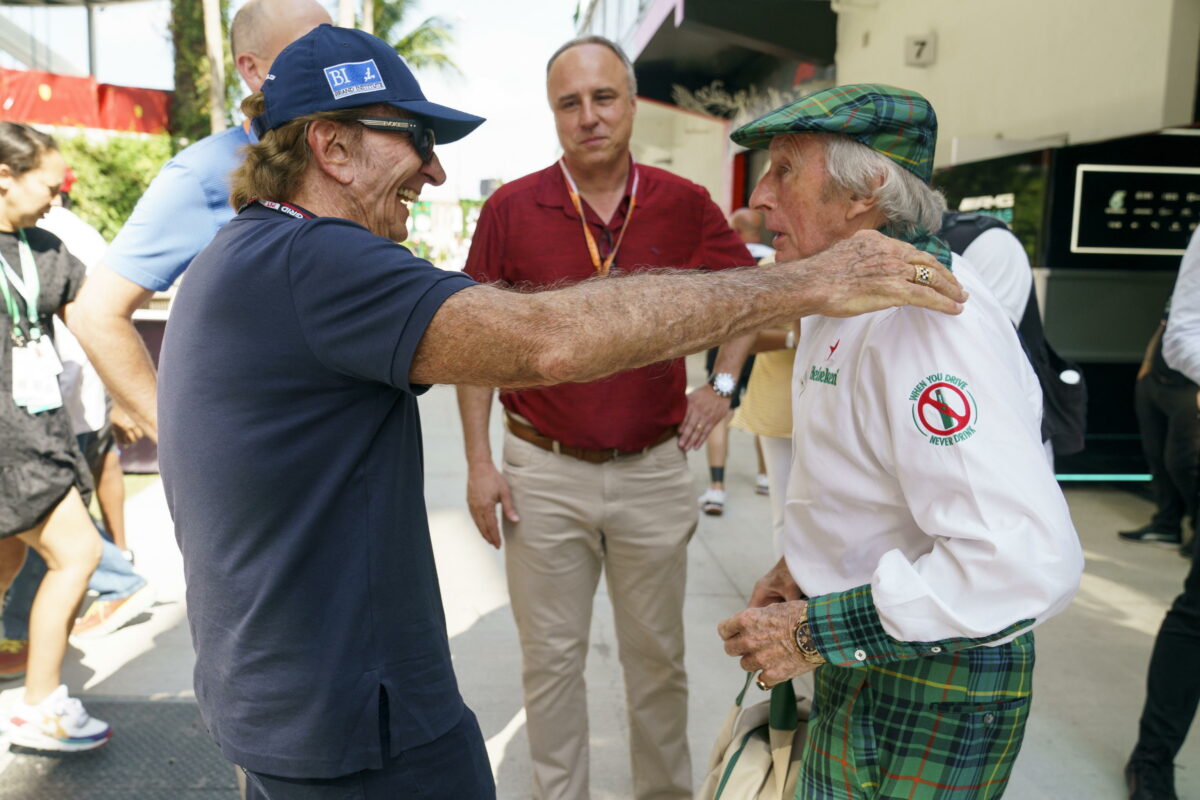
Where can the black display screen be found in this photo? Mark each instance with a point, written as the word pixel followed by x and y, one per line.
pixel 1134 210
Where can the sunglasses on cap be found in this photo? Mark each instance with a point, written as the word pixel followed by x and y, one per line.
pixel 423 138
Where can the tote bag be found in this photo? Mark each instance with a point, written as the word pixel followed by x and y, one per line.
pixel 757 752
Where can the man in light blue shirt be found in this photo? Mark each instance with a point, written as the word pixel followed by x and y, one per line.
pixel 184 207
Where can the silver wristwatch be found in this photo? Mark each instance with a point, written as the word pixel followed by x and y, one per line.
pixel 723 384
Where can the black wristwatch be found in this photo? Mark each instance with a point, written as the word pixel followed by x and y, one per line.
pixel 723 384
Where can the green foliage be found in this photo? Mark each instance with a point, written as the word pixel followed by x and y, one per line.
pixel 113 173
pixel 190 104
pixel 470 215
pixel 421 47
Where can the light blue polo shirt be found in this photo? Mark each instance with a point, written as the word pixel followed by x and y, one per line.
pixel 180 213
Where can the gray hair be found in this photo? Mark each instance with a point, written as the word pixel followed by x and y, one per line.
pixel 907 201
pixel 603 42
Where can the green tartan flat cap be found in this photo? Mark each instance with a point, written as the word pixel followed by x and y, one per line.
pixel 898 123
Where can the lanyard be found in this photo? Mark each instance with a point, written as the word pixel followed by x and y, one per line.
pixel 573 191
pixel 282 208
pixel 28 286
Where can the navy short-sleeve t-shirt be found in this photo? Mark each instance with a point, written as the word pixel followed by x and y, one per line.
pixel 290 450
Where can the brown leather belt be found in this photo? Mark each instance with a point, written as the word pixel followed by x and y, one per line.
pixel 529 434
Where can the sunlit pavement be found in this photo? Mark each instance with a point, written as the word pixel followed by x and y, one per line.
pixel 1088 689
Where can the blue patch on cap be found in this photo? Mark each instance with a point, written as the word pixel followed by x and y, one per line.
pixel 355 77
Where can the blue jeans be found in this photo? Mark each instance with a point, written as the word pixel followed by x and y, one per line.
pixel 114 579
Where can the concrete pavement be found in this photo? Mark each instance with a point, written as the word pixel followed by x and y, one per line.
pixel 1088 688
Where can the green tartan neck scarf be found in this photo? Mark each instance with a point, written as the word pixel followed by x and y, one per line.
pixel 922 240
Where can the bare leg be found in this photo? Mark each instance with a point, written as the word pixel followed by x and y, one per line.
pixel 110 495
pixel 718 451
pixel 68 542
pixel 12 556
pixel 762 462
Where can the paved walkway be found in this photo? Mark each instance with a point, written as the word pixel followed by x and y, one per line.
pixel 1088 689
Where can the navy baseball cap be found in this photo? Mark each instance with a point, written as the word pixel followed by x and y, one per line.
pixel 332 68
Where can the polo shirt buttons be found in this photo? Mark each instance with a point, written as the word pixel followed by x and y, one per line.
pixel 860 655
pixel 989 718
pixel 935 649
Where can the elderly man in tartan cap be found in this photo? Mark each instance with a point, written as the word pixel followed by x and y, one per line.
pixel 925 534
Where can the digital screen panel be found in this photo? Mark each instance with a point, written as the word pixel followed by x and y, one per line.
pixel 1135 210
pixel 1012 188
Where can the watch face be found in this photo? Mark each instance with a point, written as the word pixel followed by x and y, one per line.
pixel 804 641
pixel 724 384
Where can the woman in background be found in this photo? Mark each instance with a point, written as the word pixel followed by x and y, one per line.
pixel 43 480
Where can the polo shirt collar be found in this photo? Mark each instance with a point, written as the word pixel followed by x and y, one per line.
pixel 551 192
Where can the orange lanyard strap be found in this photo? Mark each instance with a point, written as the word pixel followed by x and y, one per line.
pixel 573 190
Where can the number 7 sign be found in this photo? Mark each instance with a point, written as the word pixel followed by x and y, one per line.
pixel 920 51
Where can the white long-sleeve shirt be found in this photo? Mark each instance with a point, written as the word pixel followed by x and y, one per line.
pixel 919 473
pixel 1181 339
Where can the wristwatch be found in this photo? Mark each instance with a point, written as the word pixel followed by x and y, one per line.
pixel 805 644
pixel 723 384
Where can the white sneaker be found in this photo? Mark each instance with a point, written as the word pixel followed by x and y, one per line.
pixel 57 723
pixel 712 502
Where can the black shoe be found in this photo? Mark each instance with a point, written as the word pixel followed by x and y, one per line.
pixel 1149 780
pixel 1152 534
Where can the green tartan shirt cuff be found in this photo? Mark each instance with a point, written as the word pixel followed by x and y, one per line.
pixel 847 631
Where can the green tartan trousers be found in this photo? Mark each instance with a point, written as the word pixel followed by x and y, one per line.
pixel 940 726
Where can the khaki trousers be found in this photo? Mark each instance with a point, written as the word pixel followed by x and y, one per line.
pixel 633 517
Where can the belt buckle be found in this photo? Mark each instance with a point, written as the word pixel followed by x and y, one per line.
pixel 625 455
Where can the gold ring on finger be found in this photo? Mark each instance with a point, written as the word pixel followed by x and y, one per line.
pixel 923 274
pixel 759 683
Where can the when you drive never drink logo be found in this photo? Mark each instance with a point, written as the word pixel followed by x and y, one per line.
pixel 943 409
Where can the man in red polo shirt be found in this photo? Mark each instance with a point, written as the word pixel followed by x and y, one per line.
pixel 595 474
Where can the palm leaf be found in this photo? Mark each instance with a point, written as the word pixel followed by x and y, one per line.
pixel 424 46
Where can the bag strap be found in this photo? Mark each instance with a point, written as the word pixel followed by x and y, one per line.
pixel 741 696
pixel 959 228
pixel 783 707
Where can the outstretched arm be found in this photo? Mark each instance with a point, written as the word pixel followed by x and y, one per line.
pixel 490 337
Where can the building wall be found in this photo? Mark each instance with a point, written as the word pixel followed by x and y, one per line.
pixel 1065 70
pixel 615 19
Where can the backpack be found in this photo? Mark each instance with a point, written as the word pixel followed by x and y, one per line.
pixel 1064 392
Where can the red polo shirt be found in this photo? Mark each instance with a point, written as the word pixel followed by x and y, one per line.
pixel 529 235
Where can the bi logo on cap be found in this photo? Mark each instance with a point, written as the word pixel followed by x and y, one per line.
pixel 354 77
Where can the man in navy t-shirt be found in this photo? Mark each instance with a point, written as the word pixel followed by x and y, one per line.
pixel 290 441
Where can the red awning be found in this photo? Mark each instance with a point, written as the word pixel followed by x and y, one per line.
pixel 125 108
pixel 49 99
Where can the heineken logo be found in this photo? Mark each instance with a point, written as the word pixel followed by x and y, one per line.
pixel 943 409
pixel 823 375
